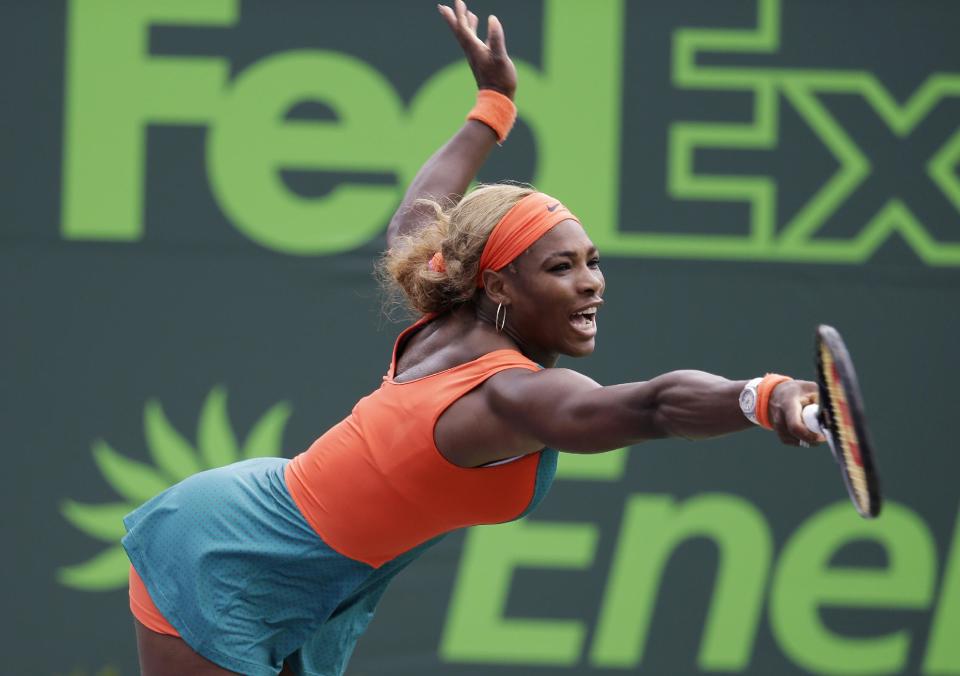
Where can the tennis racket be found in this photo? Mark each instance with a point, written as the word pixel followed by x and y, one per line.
pixel 839 417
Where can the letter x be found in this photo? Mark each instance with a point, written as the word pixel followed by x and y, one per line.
pixel 898 167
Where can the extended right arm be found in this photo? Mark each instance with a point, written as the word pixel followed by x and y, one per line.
pixel 566 410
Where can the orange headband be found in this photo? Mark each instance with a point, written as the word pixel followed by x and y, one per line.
pixel 526 222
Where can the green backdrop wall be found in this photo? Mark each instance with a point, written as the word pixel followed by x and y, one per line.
pixel 193 195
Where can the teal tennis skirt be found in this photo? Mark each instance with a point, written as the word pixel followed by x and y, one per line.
pixel 232 564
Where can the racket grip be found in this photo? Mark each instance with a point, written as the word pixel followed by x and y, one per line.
pixel 811 418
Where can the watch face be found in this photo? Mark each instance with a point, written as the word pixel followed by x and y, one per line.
pixel 748 400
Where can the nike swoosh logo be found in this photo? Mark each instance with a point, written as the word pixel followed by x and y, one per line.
pixel 554 207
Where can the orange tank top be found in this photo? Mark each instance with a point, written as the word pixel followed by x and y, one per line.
pixel 375 485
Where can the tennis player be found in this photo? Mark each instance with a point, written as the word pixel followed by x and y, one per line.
pixel 272 566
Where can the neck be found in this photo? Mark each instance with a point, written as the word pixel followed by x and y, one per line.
pixel 486 314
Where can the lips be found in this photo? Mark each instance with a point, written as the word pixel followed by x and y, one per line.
pixel 585 321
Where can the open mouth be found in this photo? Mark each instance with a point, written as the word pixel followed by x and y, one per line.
pixel 585 321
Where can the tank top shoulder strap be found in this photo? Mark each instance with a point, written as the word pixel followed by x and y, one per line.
pixel 460 380
pixel 425 319
pixel 499 360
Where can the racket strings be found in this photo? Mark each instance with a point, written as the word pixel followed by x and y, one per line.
pixel 845 434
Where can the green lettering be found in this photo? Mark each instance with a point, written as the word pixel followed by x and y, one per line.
pixel 805 582
pixel 593 466
pixel 943 651
pixel 653 527
pixel 250 143
pixel 557 118
pixel 114 89
pixel 477 631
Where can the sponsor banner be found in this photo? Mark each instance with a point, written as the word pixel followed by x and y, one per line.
pixel 195 193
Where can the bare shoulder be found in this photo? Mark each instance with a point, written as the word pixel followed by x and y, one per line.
pixel 522 387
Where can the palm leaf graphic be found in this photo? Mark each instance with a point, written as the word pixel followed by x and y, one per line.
pixel 105 671
pixel 218 445
pixel 266 436
pixel 104 522
pixel 137 482
pixel 172 453
pixel 107 570
pixel 131 479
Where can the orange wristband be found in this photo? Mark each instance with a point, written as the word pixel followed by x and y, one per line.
pixel 764 390
pixel 496 111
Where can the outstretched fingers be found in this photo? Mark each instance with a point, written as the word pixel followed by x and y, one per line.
pixel 448 16
pixel 463 23
pixel 491 66
pixel 460 9
pixel 496 41
pixel 466 19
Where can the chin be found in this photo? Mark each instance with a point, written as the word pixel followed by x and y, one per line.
pixel 583 350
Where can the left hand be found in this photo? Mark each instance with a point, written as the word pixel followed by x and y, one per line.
pixel 491 66
pixel 786 402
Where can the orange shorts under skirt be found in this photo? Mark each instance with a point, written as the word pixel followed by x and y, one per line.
pixel 141 605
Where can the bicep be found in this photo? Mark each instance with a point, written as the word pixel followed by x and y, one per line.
pixel 566 410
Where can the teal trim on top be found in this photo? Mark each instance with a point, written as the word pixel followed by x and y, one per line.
pixel 546 471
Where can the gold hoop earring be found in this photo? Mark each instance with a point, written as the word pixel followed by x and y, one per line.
pixel 497 321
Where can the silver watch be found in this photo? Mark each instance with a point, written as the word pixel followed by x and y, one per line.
pixel 748 400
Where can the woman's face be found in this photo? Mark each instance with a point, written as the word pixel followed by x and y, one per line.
pixel 555 291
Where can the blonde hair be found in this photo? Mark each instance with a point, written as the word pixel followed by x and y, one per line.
pixel 460 233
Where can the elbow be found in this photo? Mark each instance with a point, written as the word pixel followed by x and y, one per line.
pixel 670 410
pixel 658 423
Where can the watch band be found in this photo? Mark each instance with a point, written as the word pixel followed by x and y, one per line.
pixel 748 400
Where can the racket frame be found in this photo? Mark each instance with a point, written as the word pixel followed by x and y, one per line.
pixel 828 338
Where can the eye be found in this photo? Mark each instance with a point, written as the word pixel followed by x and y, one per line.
pixel 594 262
pixel 560 267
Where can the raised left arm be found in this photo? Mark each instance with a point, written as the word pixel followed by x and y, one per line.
pixel 450 169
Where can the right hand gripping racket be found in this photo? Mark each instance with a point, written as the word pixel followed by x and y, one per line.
pixel 839 417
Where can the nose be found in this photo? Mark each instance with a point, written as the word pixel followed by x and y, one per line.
pixel 590 281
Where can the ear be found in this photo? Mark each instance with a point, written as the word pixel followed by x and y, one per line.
pixel 495 286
